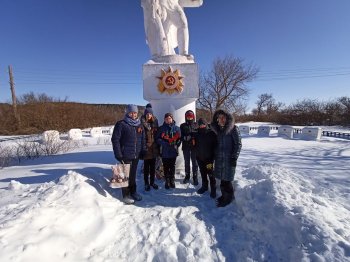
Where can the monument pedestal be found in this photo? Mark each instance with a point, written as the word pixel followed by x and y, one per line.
pixel 171 88
pixel 166 98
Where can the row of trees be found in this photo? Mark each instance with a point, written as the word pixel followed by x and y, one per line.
pixel 40 112
pixel 225 86
pixel 305 112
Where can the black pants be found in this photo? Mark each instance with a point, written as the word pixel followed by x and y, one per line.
pixel 131 189
pixel 149 170
pixel 206 172
pixel 190 156
pixel 169 168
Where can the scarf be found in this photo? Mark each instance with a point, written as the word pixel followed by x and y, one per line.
pixel 131 121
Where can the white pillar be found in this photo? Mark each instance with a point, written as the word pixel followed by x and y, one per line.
pixel 174 97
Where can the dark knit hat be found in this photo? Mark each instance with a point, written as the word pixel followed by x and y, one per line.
pixel 132 108
pixel 149 105
pixel 202 121
pixel 148 110
pixel 168 114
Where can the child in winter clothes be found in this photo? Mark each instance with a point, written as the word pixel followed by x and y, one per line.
pixel 226 154
pixel 188 131
pixel 150 126
pixel 205 147
pixel 169 138
pixel 128 142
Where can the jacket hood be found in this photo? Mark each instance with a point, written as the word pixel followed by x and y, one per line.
pixel 230 123
pixel 190 112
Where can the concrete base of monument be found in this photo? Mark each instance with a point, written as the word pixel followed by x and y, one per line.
pixel 175 96
pixel 171 87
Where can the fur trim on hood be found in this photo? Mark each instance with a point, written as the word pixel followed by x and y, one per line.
pixel 230 123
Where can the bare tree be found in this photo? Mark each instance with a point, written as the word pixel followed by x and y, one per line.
pixel 264 100
pixel 32 98
pixel 345 104
pixel 224 86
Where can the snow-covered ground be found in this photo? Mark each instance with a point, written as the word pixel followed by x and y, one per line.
pixel 292 204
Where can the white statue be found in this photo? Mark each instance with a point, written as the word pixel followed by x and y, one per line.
pixel 166 26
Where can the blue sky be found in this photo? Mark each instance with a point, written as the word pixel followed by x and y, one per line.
pixel 93 51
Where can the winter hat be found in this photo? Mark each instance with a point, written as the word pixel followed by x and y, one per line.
pixel 168 114
pixel 148 110
pixel 202 121
pixel 132 108
pixel 189 114
pixel 148 105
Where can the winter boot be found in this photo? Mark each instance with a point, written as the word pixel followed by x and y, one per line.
pixel 223 200
pixel 147 188
pixel 202 189
pixel 195 180
pixel 187 179
pixel 155 186
pixel 220 200
pixel 227 194
pixel 136 196
pixel 128 200
pixel 213 193
pixel 167 183
pixel 172 182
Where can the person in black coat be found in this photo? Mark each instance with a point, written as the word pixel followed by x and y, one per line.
pixel 188 131
pixel 226 154
pixel 205 147
pixel 128 142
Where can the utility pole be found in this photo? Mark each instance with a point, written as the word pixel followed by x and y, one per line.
pixel 14 99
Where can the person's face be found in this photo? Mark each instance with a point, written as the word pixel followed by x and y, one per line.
pixel 168 120
pixel 149 116
pixel 190 118
pixel 221 120
pixel 133 115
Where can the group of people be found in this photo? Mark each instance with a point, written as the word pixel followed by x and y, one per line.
pixel 214 148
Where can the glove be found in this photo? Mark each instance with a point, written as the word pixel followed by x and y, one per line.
pixel 209 166
pixel 233 162
pixel 120 160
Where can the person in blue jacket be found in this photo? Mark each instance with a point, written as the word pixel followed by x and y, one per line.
pixel 169 139
pixel 128 142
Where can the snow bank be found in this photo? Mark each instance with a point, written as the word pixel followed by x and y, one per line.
pixel 282 211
